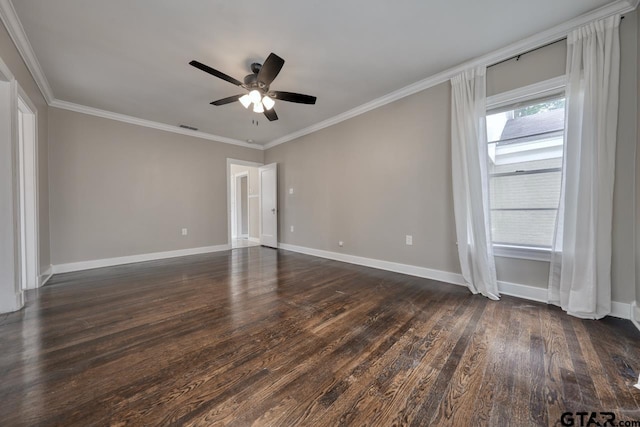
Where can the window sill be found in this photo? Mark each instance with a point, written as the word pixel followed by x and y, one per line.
pixel 522 252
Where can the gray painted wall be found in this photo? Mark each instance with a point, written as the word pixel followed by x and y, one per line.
pixel 373 179
pixel 12 58
pixel 119 189
pixel 536 66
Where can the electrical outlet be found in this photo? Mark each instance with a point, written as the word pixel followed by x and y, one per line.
pixel 292 228
pixel 185 231
pixel 341 243
pixel 291 190
pixel 409 240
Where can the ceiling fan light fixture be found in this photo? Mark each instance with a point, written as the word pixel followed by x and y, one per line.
pixel 268 102
pixel 257 107
pixel 245 100
pixel 257 85
pixel 255 96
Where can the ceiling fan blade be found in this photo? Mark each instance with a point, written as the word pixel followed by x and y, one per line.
pixel 270 69
pixel 293 97
pixel 215 72
pixel 228 100
pixel 271 114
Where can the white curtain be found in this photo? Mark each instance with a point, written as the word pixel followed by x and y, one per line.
pixel 580 275
pixel 471 181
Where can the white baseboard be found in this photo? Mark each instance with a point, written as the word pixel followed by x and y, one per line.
pixel 412 270
pixel 635 314
pixel 109 262
pixel 254 239
pixel 532 293
pixel 620 310
pixel 45 276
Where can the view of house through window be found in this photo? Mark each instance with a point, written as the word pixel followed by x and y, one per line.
pixel 525 168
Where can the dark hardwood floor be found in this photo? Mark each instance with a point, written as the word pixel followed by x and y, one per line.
pixel 266 337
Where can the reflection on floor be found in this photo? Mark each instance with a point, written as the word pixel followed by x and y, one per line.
pixel 243 243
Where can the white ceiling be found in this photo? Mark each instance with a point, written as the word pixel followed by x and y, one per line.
pixel 131 56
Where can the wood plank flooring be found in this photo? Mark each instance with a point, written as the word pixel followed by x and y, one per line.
pixel 256 336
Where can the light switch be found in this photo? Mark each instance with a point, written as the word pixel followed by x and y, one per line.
pixel 409 240
pixel 291 190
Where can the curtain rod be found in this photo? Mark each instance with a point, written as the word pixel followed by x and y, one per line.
pixel 517 57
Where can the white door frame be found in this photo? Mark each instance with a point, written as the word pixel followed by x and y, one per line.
pixel 28 179
pixel 229 184
pixel 11 295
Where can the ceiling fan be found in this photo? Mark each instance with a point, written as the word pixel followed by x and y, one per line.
pixel 258 84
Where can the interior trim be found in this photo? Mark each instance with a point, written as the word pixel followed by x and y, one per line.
pixel 621 310
pixel 532 42
pixel 527 292
pixel 16 31
pixel 635 314
pixel 109 262
pixel 46 275
pixel 149 123
pixel 531 293
pixel 522 252
pixel 412 270
pixel 555 85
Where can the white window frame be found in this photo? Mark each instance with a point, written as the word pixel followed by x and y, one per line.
pixel 551 87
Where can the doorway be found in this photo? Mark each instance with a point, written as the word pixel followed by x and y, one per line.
pixel 243 203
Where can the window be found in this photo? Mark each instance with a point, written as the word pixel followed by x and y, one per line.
pixel 525 168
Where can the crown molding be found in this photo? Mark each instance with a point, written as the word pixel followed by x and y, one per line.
pixel 16 31
pixel 553 34
pixel 633 3
pixel 371 105
pixel 148 123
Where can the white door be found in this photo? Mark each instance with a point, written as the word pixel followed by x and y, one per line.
pixel 268 205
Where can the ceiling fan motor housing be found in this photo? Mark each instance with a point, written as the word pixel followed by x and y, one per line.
pixel 256 67
pixel 251 81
